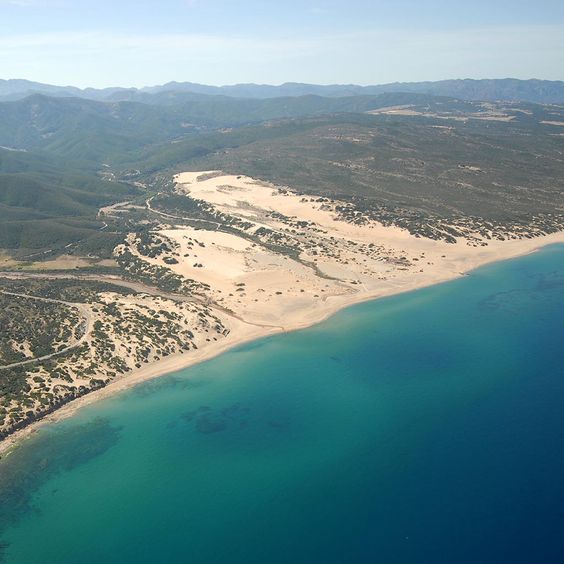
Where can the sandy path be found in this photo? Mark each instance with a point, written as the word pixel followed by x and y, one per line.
pixel 137 286
pixel 110 279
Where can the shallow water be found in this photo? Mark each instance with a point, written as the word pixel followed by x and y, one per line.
pixel 426 427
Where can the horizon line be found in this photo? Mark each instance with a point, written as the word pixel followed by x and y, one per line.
pixel 285 83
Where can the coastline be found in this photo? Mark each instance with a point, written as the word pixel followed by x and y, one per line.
pixel 333 304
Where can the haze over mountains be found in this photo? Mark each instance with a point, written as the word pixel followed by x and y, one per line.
pixel 508 89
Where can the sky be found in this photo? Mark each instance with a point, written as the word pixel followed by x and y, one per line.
pixel 138 42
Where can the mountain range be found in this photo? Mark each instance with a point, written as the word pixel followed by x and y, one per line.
pixel 507 89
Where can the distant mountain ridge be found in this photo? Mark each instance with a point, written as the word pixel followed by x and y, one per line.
pixel 507 89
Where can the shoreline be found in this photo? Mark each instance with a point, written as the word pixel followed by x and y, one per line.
pixel 176 362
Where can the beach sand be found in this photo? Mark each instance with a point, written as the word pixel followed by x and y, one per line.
pixel 263 293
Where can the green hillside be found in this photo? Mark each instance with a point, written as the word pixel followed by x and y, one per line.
pixel 113 131
pixel 411 168
pixel 411 159
pixel 46 201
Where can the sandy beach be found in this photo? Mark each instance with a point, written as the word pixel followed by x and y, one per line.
pixel 263 293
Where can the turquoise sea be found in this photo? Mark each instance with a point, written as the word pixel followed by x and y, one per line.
pixel 422 428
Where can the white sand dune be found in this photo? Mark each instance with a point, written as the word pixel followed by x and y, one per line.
pixel 258 290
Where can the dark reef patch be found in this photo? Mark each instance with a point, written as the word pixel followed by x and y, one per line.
pixel 40 458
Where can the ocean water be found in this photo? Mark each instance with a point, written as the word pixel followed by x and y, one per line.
pixel 422 428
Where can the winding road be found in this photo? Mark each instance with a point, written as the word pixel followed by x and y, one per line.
pixel 136 286
pixel 86 321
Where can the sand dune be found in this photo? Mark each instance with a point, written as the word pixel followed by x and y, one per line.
pixel 292 261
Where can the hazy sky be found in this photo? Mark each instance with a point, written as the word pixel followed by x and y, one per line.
pixel 140 42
